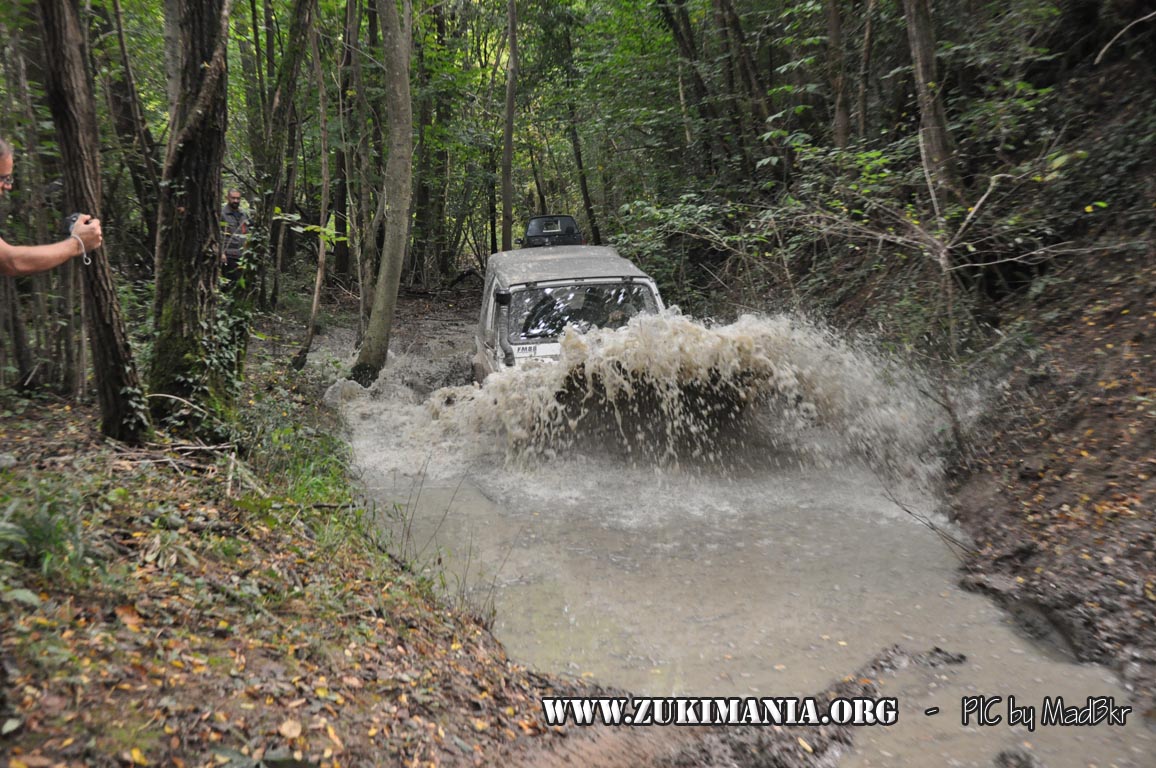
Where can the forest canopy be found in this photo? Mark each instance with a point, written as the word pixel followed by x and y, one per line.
pixel 753 152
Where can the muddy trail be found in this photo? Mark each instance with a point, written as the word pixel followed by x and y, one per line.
pixel 771 532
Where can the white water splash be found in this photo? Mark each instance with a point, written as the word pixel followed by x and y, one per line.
pixel 672 390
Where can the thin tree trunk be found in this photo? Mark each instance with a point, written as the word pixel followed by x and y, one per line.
pixel 250 56
pixel 136 142
pixel 539 184
pixel 415 263
pixel 124 415
pixel 396 39
pixel 576 145
pixel 271 159
pixel 341 267
pixel 837 71
pixel 939 153
pixel 32 170
pixel 282 227
pixel 508 131
pixel 865 68
pixel 587 200
pixel 21 351
pixel 492 202
pixel 322 236
pixel 758 93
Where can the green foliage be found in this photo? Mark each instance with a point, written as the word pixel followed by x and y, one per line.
pixel 40 525
pixel 277 428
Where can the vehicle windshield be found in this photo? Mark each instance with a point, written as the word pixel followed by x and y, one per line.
pixel 551 225
pixel 542 313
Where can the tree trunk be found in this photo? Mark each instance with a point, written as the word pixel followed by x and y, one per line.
pixel 677 20
pixel 576 146
pixel 939 154
pixel 270 159
pixel 341 267
pixel 322 236
pixel 18 332
pixel 124 415
pixel 865 68
pixel 136 142
pixel 837 73
pixel 396 37
pixel 445 255
pixel 583 184
pixel 249 48
pixel 508 131
pixel 492 198
pixel 282 229
pixel 188 248
pixel 414 271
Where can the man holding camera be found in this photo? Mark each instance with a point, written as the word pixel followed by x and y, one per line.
pixel 16 260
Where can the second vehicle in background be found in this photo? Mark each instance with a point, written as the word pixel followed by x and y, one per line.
pixel 543 231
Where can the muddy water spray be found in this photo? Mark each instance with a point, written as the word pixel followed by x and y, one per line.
pixel 672 390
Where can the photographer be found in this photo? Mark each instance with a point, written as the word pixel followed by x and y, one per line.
pixel 16 260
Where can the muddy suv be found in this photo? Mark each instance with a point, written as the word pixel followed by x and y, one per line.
pixel 552 230
pixel 530 298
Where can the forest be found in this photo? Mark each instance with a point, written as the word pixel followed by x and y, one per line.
pixel 951 178
pixel 741 152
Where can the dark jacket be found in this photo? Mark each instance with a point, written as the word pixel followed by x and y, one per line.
pixel 234 231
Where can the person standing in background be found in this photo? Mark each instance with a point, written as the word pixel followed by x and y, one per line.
pixel 235 225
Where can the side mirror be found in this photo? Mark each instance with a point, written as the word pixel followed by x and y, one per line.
pixel 502 298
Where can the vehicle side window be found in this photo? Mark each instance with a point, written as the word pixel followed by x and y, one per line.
pixel 491 332
pixel 488 305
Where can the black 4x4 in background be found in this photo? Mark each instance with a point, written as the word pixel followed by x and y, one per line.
pixel 552 230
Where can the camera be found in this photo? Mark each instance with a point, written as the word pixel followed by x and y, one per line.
pixel 70 222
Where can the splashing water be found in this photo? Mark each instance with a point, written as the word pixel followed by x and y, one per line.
pixel 674 391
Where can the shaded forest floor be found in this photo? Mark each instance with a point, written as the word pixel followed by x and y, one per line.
pixel 172 606
pixel 1061 493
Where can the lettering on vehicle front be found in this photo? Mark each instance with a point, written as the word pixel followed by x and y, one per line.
pixel 530 349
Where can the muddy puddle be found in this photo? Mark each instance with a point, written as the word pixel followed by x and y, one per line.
pixel 769 560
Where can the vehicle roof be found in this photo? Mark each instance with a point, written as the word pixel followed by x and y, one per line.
pixel 560 262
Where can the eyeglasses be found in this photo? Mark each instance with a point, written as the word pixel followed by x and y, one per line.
pixel 7 179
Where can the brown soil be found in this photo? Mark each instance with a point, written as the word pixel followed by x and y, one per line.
pixel 1061 493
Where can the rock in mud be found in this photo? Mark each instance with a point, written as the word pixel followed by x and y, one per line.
pixel 341 392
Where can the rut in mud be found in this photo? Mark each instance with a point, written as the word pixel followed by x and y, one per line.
pixel 747 509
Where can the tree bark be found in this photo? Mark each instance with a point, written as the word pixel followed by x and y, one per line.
pixel 188 248
pixel 576 146
pixel 124 415
pixel 865 68
pixel 322 236
pixel 939 153
pixel 343 158
pixel 136 142
pixel 397 189
pixel 508 131
pixel 270 159
pixel 837 70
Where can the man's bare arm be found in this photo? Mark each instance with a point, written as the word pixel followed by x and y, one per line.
pixel 17 260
